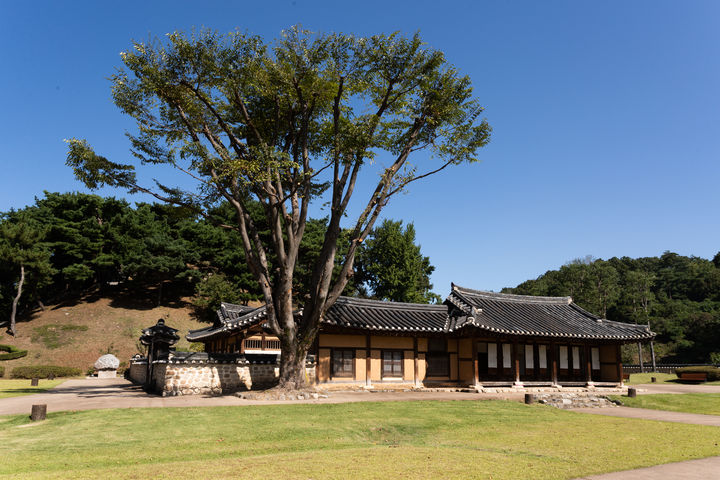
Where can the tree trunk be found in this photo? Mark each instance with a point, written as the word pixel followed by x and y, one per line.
pixel 16 300
pixel 292 366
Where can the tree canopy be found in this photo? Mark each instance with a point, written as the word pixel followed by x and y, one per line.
pixel 679 296
pixel 391 265
pixel 278 125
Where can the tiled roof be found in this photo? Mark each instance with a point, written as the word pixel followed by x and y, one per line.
pixel 378 315
pixel 230 317
pixel 536 316
pixel 464 308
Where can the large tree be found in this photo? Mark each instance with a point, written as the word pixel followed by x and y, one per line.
pixel 283 124
pixel 393 267
pixel 23 253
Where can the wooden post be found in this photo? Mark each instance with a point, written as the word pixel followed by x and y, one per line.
pixel 652 355
pixel 618 359
pixel 34 382
pixel 476 374
pixel 588 364
pixel 38 412
pixel 553 364
pixel 640 358
pixel 416 367
pixel 368 381
pixel 632 392
pixel 529 399
pixel 516 362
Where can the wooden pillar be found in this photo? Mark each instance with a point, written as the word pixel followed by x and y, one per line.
pixel 416 368
pixel 368 381
pixel 263 344
pixel 618 359
pixel 588 365
pixel 516 362
pixel 476 375
pixel 553 363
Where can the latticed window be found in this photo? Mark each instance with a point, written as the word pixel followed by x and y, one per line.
pixel 392 363
pixel 438 360
pixel 342 363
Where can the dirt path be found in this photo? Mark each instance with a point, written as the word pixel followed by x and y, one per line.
pixel 651 388
pixel 659 415
pixel 702 469
pixel 91 394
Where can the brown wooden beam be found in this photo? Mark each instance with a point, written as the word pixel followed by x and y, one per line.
pixel 368 380
pixel 618 360
pixel 416 367
pixel 554 363
pixel 588 364
pixel 476 373
pixel 516 361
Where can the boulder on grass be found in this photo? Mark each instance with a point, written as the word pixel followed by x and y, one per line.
pixel 107 366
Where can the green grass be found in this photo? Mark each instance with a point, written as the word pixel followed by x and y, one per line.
pixel 640 378
pixel 56 335
pixel 16 388
pixel 410 440
pixel 707 403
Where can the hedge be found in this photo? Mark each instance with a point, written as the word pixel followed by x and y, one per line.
pixel 44 371
pixel 713 373
pixel 13 352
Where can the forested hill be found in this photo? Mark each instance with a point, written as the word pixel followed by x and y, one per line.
pixel 68 245
pixel 679 296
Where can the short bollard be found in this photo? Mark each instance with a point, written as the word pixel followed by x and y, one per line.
pixel 529 399
pixel 38 412
pixel 653 379
pixel 34 382
pixel 632 393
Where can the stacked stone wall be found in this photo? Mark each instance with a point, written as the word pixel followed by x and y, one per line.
pixel 179 377
pixel 159 373
pixel 138 371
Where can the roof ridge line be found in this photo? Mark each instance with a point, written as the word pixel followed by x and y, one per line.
pixel 512 296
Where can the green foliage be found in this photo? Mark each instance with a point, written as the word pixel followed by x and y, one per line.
pixel 270 127
pixel 215 289
pixel 12 352
pixel 713 373
pixel 56 335
pixel 44 371
pixel 679 296
pixel 2 372
pixel 391 266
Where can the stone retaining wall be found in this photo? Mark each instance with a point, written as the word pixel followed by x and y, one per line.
pixel 137 372
pixel 179 377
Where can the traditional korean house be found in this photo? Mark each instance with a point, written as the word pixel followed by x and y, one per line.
pixel 474 339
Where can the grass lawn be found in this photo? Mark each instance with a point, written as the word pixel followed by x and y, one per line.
pixel 707 403
pixel 410 440
pixel 16 388
pixel 640 378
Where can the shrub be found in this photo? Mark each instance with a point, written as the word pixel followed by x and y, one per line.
pixel 12 352
pixel 713 373
pixel 44 371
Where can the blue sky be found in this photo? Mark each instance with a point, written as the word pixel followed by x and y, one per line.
pixel 605 116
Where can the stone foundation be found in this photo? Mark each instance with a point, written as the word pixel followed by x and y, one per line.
pixel 569 400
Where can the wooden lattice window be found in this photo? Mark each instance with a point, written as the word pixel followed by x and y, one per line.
pixel 392 363
pixel 342 362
